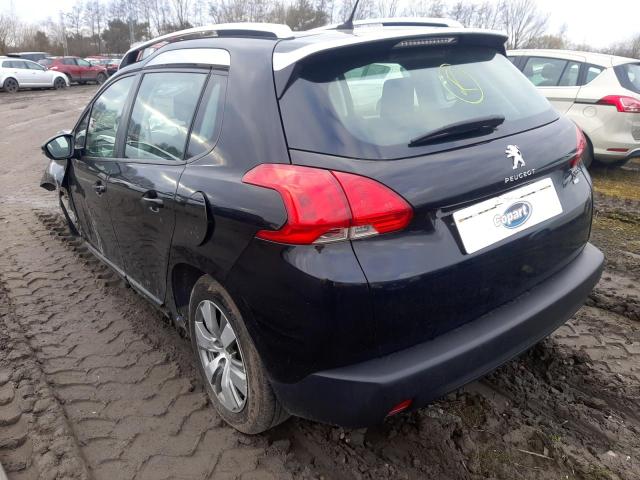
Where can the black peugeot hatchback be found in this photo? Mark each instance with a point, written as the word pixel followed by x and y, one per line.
pixel 346 222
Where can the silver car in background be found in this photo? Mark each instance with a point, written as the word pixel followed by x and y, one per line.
pixel 17 73
pixel 600 93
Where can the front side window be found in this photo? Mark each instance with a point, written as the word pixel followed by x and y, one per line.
pixel 544 72
pixel 82 63
pixel 162 115
pixel 34 66
pixel 373 104
pixel 68 61
pixel 105 119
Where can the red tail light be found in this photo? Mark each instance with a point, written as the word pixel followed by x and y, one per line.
pixel 401 407
pixel 622 103
pixel 580 148
pixel 325 206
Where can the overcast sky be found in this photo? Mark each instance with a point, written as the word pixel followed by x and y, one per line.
pixel 598 23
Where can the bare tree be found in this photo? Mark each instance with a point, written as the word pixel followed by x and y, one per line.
pixel 522 21
pixel 75 19
pixel 181 10
pixel 387 8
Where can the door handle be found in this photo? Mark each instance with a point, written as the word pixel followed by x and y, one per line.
pixel 151 199
pixel 99 188
pixel 158 202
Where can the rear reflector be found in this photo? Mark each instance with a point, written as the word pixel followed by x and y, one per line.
pixel 325 206
pixel 402 406
pixel 622 150
pixel 622 103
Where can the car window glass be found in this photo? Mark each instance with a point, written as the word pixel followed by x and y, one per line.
pixel 207 124
pixel 19 64
pixel 34 66
pixel 106 115
pixel 365 86
pixel 82 63
pixel 68 61
pixel 570 75
pixel 592 72
pixel 162 115
pixel 334 106
pixel 80 135
pixel 544 72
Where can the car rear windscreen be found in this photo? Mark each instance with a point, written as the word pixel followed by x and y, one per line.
pixel 629 76
pixel 370 103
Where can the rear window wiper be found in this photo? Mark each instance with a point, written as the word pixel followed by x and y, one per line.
pixel 475 125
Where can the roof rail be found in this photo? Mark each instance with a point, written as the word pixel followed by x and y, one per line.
pixel 268 30
pixel 397 22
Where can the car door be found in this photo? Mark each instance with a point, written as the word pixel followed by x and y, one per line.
pixel 40 76
pixel 86 70
pixel 92 165
pixel 21 72
pixel 144 185
pixel 557 79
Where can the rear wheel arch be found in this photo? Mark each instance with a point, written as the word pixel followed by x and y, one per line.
pixel 183 278
pixel 588 157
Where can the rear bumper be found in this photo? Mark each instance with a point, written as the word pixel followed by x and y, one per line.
pixel 362 394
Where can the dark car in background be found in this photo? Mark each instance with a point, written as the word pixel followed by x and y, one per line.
pixel 372 218
pixel 76 69
pixel 33 56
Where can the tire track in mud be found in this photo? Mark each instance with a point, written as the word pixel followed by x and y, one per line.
pixel 133 410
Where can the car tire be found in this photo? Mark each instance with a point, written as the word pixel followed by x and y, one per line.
pixel 224 350
pixel 59 83
pixel 11 85
pixel 101 78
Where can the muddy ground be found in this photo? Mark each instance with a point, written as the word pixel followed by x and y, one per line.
pixel 94 384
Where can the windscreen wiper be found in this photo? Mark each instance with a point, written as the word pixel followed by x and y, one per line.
pixel 459 129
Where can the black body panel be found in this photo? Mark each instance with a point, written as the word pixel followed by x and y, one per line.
pixel 362 394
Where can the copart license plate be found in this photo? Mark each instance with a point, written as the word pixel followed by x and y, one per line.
pixel 488 222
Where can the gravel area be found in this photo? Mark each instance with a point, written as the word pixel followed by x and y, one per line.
pixel 95 384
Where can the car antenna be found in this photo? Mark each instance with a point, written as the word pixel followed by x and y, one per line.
pixel 348 25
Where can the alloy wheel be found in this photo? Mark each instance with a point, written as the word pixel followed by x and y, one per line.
pixel 11 86
pixel 59 83
pixel 220 356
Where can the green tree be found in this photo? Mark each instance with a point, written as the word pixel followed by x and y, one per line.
pixel 303 15
pixel 116 35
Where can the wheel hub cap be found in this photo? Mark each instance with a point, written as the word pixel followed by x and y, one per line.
pixel 220 356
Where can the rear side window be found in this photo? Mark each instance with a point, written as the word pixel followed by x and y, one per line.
pixel 629 76
pixel 372 104
pixel 209 118
pixel 106 115
pixel 544 72
pixel 162 115
pixel 592 72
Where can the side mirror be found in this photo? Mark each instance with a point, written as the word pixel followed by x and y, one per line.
pixel 59 147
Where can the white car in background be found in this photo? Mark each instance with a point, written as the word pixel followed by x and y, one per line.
pixel 17 73
pixel 600 93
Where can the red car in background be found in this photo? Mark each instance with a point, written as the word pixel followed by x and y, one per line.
pixel 111 64
pixel 76 69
